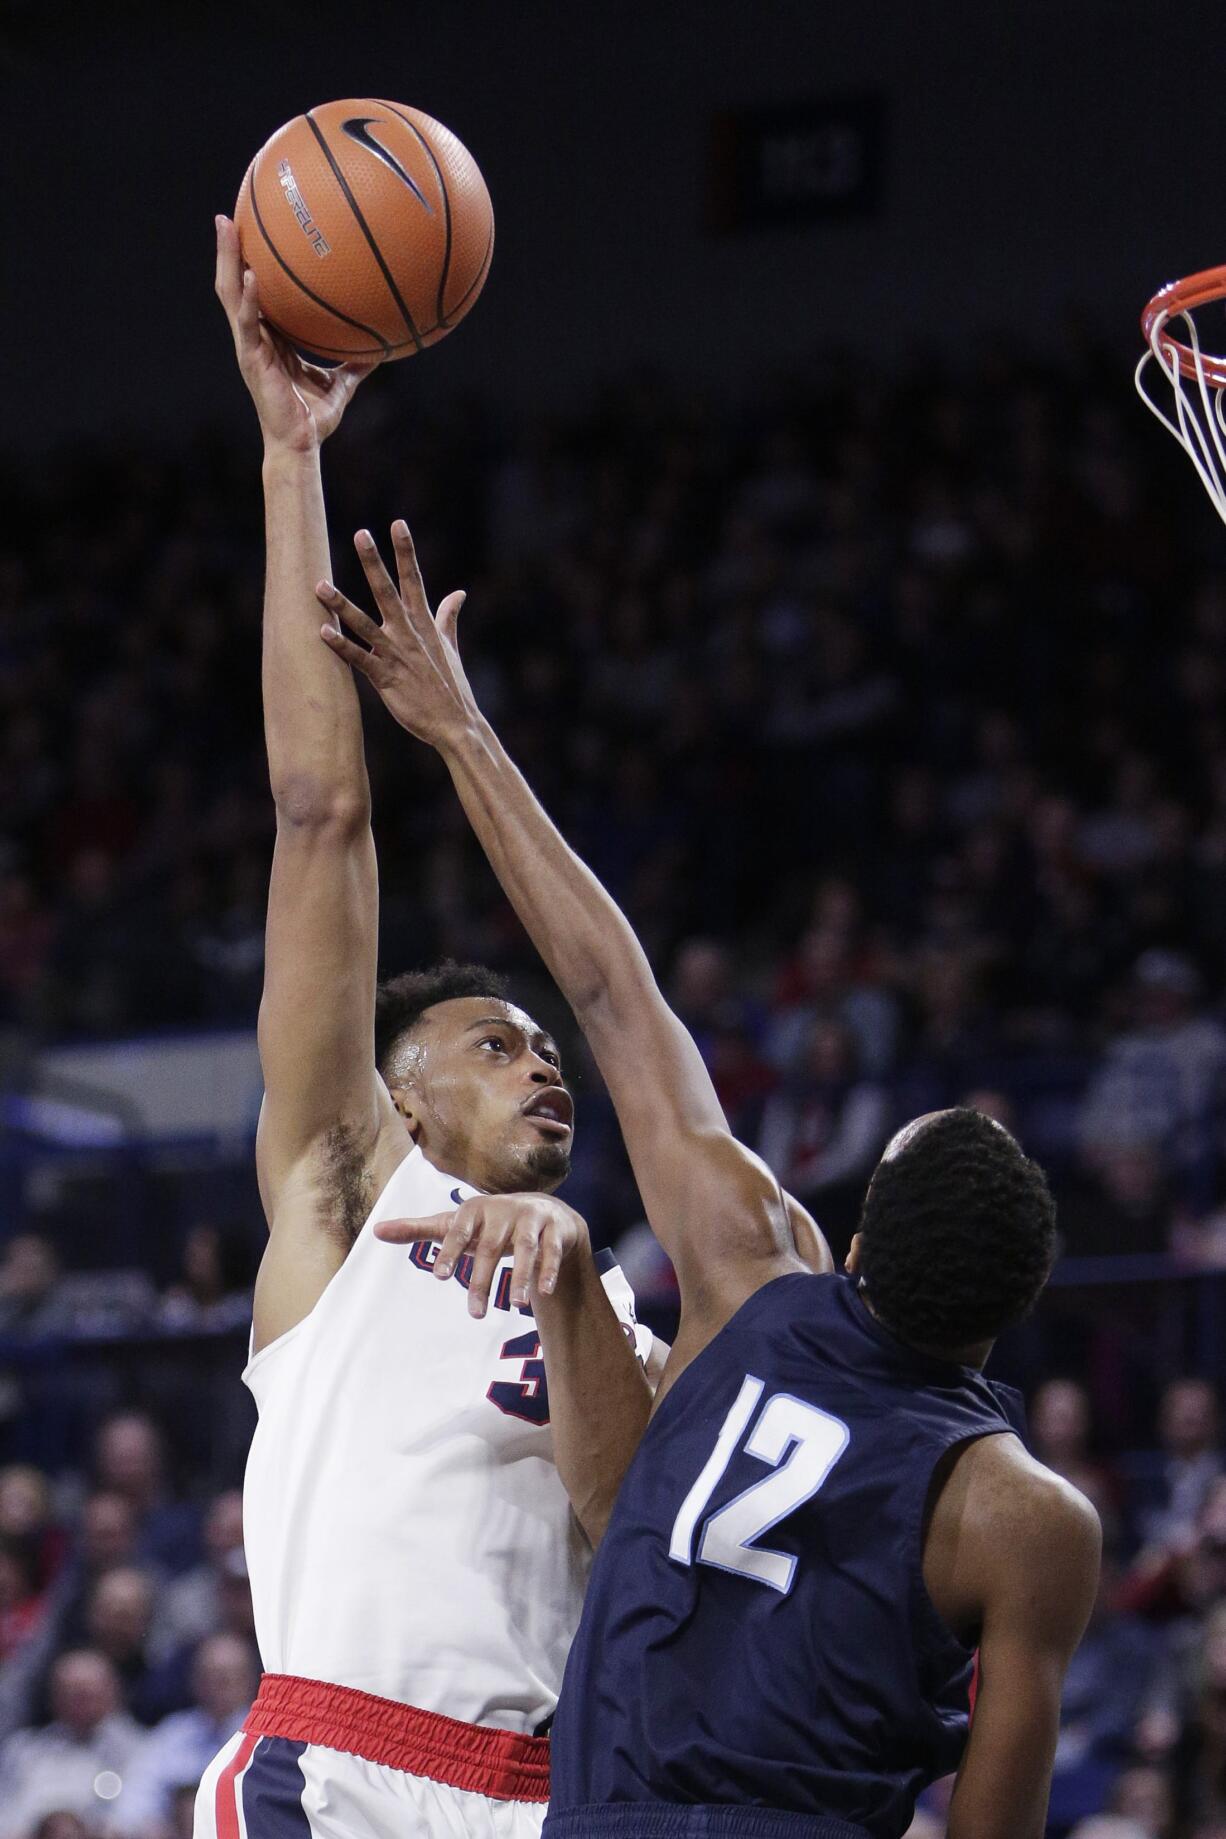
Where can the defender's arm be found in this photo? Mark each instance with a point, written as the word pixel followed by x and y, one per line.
pixel 599 1395
pixel 714 1205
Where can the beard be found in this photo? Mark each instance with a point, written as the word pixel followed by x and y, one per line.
pixel 535 1167
pixel 549 1163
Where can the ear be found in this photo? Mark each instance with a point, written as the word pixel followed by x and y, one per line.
pixel 851 1264
pixel 404 1100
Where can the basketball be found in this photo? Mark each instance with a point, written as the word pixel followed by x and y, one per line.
pixel 369 228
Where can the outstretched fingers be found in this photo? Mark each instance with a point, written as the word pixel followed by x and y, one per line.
pixel 381 585
pixel 448 617
pixel 412 587
pixel 367 629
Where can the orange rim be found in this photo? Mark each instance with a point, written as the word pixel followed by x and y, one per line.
pixel 1182 297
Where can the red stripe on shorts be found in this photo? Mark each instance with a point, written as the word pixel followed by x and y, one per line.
pixel 501 1764
pixel 227 1787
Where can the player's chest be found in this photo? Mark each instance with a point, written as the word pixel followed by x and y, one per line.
pixel 446 1363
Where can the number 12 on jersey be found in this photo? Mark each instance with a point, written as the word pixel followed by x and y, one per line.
pixel 801 1443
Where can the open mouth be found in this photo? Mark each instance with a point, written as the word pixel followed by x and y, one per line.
pixel 553 1108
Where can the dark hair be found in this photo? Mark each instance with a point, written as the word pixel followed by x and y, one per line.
pixel 400 1002
pixel 959 1233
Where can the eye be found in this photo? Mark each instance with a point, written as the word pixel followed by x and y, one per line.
pixel 493 1040
pixel 549 1057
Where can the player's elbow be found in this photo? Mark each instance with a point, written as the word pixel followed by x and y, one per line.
pixel 305 801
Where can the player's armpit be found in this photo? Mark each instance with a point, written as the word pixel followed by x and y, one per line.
pixel 1031 1554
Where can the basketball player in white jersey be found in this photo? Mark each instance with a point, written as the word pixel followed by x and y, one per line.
pixel 416 1567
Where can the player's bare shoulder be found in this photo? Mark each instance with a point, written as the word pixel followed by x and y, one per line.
pixel 1003 1528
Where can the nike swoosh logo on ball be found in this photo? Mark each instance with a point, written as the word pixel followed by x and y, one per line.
pixel 358 129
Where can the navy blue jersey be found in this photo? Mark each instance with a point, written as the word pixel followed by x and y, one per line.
pixel 756 1632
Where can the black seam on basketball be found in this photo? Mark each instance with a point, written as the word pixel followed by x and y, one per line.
pixel 356 208
pixel 310 293
pixel 445 325
pixel 475 283
pixel 442 185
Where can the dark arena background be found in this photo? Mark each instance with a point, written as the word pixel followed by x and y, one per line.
pixel 839 599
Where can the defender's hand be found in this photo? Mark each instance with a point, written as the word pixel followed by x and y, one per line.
pixel 299 404
pixel 540 1232
pixel 413 660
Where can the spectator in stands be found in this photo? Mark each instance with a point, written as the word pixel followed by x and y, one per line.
pixel 214 1290
pixel 1185 1574
pixel 1200 1766
pixel 77 1762
pixel 832 973
pixel 1121 1203
pixel 31 1306
pixel 107 1530
pixel 63 1826
pixel 823 1130
pixel 727 1027
pixel 23 1606
pixel 118 1618
pixel 191 1605
pixel 1060 1434
pixel 172 1681
pixel 177 1751
pixel 130 1459
pixel 1104 1693
pixel 26 1515
pixel 1163 1081
pixel 1189 1431
pixel 1144 1794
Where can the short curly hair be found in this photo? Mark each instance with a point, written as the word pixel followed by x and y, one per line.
pixel 400 1002
pixel 959 1233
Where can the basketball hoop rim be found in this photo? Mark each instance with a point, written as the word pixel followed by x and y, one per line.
pixel 1182 297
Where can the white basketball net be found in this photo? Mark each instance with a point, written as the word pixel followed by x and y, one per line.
pixel 1199 420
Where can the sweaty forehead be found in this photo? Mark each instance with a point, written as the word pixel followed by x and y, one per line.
pixel 461 1015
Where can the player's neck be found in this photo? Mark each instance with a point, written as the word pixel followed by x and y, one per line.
pixel 974 1355
pixel 454 1167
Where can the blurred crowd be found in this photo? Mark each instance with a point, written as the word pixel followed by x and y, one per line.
pixel 890 707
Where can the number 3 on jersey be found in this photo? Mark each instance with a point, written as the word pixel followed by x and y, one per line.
pixel 801 1443
pixel 528 1396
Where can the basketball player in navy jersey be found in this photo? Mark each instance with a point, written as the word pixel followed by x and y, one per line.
pixel 830 1514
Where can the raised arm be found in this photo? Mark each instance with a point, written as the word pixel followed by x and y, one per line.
pixel 714 1205
pixel 323 1105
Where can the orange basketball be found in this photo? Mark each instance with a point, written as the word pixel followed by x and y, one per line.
pixel 369 228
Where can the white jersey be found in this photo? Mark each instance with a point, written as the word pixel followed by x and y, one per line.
pixel 406 1530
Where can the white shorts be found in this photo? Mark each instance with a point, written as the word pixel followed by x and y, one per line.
pixel 270 1786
